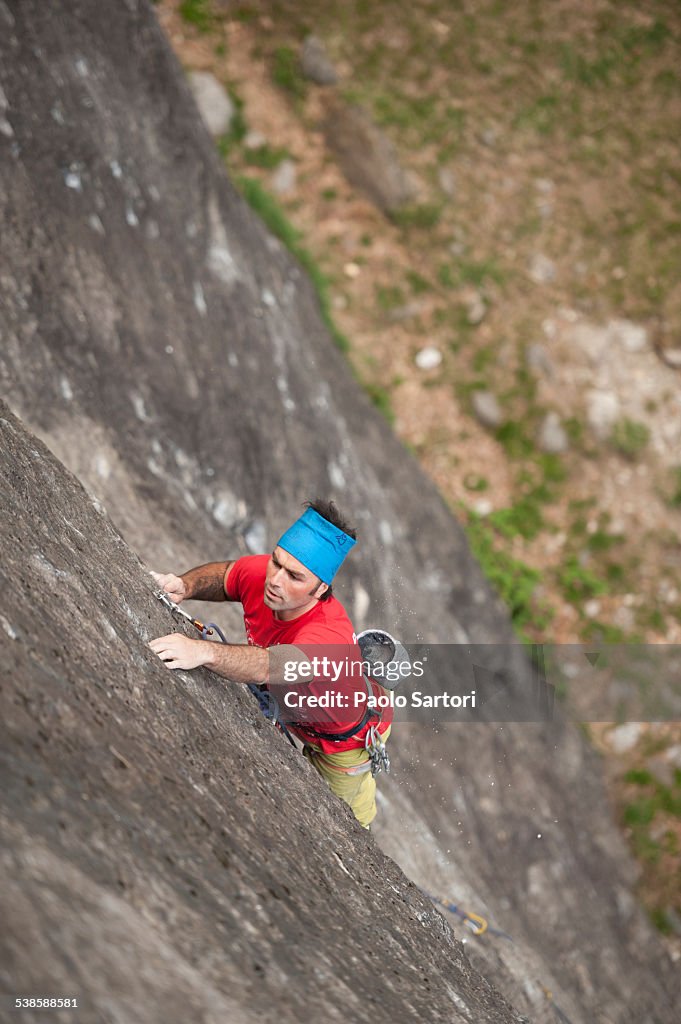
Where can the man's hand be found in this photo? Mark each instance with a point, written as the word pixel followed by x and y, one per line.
pixel 179 651
pixel 174 586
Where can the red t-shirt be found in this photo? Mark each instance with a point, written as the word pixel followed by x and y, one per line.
pixel 325 631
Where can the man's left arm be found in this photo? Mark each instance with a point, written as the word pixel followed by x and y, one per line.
pixel 240 662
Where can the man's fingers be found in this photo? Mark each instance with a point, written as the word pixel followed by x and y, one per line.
pixel 178 651
pixel 160 643
pixel 165 648
pixel 170 583
pixel 162 578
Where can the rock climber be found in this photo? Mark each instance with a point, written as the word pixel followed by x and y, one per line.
pixel 301 646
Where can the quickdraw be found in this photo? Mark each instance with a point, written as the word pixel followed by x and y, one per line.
pixel 475 922
pixel 196 623
pixel 375 748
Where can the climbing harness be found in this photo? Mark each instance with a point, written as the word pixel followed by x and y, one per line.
pixel 373 743
pixel 378 760
pixel 369 712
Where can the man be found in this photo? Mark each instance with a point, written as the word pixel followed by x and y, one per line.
pixel 301 645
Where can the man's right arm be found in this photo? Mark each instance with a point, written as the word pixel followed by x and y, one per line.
pixel 204 583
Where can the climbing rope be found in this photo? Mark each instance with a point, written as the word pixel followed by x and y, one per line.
pixel 479 926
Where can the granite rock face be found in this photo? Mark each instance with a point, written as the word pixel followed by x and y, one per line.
pixel 159 836
pixel 167 855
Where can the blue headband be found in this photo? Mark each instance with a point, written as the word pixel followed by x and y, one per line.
pixel 318 544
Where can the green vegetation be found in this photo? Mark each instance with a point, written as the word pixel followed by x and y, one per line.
pixel 651 619
pixel 445 275
pixel 266 156
pixel 523 519
pixel 389 296
pixel 482 358
pixel 478 273
pixel 404 111
pixel 515 581
pixel 583 70
pixel 237 127
pixel 629 438
pixel 286 73
pixel 381 399
pixel 421 217
pixel 473 482
pixel 666 799
pixel 659 919
pixel 597 632
pixel 579 583
pixel 418 283
pixel 197 13
pixel 639 777
pixel 540 115
pixel 453 275
pixel 514 437
pixel 675 499
pixel 646 812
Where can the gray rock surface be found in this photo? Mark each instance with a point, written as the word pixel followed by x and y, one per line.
pixel 487 409
pixel 541 269
pixel 284 177
pixel 215 106
pixel 447 181
pixel 539 361
pixel 315 63
pixel 602 411
pixel 162 847
pixel 476 308
pixel 367 157
pixel 617 369
pixel 552 436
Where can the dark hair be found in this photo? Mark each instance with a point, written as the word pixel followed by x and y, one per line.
pixel 329 510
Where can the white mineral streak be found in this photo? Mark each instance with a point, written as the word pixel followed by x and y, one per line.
pixel 220 260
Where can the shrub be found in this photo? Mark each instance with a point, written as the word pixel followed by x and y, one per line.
pixel 629 438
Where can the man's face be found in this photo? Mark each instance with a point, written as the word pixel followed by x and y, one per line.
pixel 290 588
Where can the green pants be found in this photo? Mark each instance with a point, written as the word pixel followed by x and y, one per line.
pixel 357 789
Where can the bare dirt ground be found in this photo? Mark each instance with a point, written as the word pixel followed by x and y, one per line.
pixel 545 145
